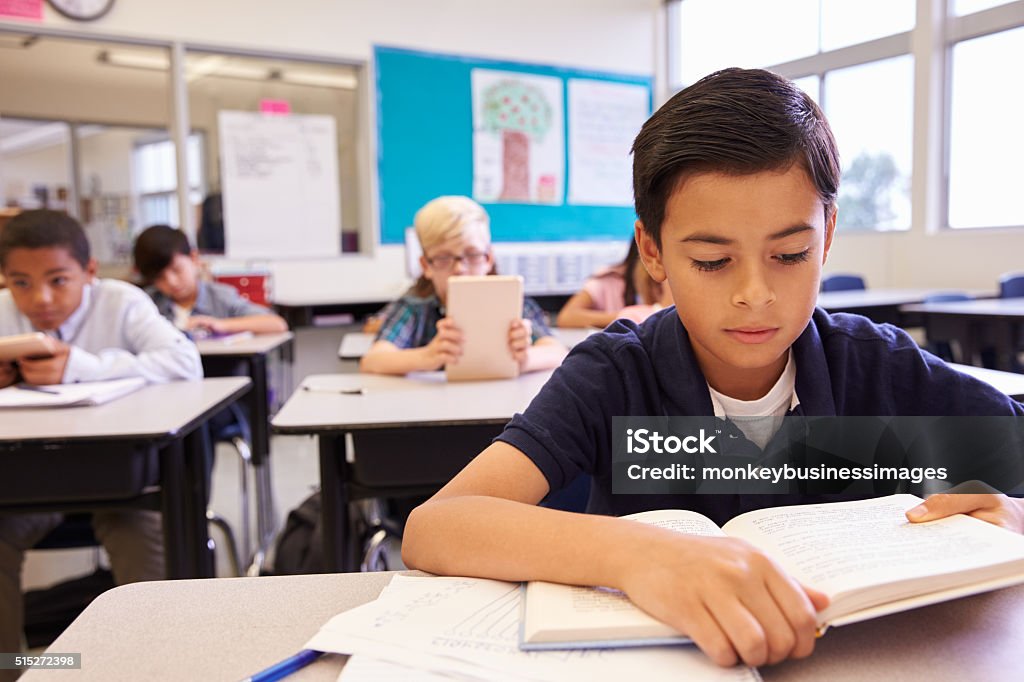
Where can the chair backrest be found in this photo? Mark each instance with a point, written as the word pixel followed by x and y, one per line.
pixel 1011 285
pixel 842 283
pixel 947 297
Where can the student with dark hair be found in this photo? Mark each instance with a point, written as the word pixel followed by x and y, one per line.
pixel 170 270
pixel 609 291
pixel 104 329
pixel 735 183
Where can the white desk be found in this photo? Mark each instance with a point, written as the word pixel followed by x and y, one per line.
pixel 142 450
pixel 399 419
pixel 882 305
pixel 229 628
pixel 976 324
pixel 1010 383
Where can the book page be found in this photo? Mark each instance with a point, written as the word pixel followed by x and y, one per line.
pixel 468 628
pixel 845 547
pixel 570 612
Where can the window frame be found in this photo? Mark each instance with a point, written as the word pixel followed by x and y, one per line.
pixel 930 42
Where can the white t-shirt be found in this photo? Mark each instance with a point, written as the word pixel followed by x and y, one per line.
pixel 760 419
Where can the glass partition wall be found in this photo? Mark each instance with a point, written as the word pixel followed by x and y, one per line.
pixel 89 126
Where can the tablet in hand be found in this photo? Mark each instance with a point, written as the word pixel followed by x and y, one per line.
pixel 484 308
pixel 32 345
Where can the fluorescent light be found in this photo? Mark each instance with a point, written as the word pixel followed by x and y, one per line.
pixel 153 61
pixel 344 81
pixel 219 66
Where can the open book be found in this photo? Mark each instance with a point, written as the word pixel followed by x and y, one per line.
pixel 67 395
pixel 864 555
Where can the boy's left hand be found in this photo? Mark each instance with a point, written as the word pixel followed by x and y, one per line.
pixel 519 336
pixel 214 324
pixel 1005 512
pixel 45 370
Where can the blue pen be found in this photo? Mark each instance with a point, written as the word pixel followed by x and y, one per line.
pixel 286 667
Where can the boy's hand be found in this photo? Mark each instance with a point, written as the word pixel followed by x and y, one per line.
pixel 214 324
pixel 732 600
pixel 520 333
pixel 8 374
pixel 445 348
pixel 997 509
pixel 45 370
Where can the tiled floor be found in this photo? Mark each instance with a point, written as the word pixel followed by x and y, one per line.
pixel 294 467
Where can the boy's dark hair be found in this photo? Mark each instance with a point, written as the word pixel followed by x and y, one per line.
pixel 735 121
pixel 156 247
pixel 43 229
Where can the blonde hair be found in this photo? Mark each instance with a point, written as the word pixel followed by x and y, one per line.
pixel 448 217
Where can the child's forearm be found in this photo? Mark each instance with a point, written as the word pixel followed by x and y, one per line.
pixel 582 317
pixel 392 361
pixel 257 324
pixel 547 353
pixel 496 538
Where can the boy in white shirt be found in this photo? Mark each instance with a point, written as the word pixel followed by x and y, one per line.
pixel 104 329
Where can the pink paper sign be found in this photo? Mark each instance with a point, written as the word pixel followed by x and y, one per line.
pixel 22 9
pixel 274 106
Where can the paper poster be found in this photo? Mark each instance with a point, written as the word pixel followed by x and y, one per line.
pixel 604 118
pixel 518 138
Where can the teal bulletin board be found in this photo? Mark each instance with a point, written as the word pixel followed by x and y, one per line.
pixel 425 148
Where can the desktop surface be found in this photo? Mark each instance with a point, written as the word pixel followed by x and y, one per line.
pixel 232 627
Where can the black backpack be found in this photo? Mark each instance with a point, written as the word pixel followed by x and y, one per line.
pixel 300 546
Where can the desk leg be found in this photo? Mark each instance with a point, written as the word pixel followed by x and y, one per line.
pixel 259 408
pixel 172 508
pixel 334 509
pixel 198 450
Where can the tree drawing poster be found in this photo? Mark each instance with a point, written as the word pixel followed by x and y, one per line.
pixel 518 137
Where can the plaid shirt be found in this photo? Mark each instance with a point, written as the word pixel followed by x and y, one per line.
pixel 412 321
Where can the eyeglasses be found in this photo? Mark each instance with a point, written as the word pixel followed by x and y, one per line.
pixel 446 261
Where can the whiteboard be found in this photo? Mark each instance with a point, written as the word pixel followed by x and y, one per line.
pixel 279 177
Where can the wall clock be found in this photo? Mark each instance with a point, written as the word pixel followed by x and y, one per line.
pixel 82 10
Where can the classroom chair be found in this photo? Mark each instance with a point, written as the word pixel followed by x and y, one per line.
pixel 1011 285
pixel 392 471
pixel 232 428
pixel 939 339
pixel 842 283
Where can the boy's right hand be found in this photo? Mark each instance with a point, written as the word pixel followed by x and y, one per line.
pixel 445 348
pixel 734 602
pixel 8 374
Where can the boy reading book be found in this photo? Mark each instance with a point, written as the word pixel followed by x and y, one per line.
pixel 102 329
pixel 455 235
pixel 735 183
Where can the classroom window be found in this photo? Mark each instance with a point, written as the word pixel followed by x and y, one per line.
pixel 848 55
pixel 154 169
pixel 875 142
pixel 711 37
pixel 961 7
pixel 811 85
pixel 848 22
pixel 986 142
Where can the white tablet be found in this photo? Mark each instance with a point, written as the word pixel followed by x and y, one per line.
pixel 34 344
pixel 484 308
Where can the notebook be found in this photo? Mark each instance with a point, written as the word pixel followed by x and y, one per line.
pixel 67 395
pixel 484 308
